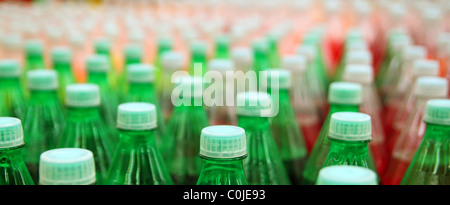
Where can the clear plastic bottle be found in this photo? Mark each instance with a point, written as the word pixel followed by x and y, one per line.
pixel 67 166
pixel 170 63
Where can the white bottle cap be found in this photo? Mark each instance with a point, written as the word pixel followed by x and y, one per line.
pixel 136 116
pixel 42 80
pixel 257 104
pixel 424 67
pixel 432 87
pixel 140 73
pixel 350 126
pixel 82 95
pixel 362 74
pixel 294 63
pixel 346 175
pixel 11 132
pixel 223 141
pixel 173 61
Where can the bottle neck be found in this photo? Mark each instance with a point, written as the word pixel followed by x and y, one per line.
pixel 83 113
pixel 98 78
pixel 141 87
pixel 43 97
pixel 233 164
pixel 253 123
pixel 138 137
pixel 357 148
pixel 133 60
pixel 62 66
pixel 12 154
pixel 437 132
pixel 334 108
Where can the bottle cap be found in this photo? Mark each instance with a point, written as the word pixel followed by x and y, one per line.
pixel 294 63
pixel 220 65
pixel 437 111
pixel 172 60
pixel 423 67
pixel 61 54
pixel 133 52
pixel 34 47
pixel 356 45
pixel 410 53
pixel 433 87
pixel 198 48
pixel 400 42
pixel 346 175
pixel 260 45
pixel 140 73
pixel 192 83
pixel 350 126
pixel 345 93
pixel 277 78
pixel 136 116
pixel 97 63
pixel 223 141
pixel 362 74
pixel 242 57
pixel 309 51
pixel 257 104
pixel 9 68
pixel 165 43
pixel 82 95
pixel 67 166
pixel 102 45
pixel 359 57
pixel 42 80
pixel 11 133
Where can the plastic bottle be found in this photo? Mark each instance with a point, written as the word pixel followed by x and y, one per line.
pixel 12 164
pixel 284 125
pixel 34 55
pixel 62 63
pixel 264 165
pixel 260 55
pixel 350 134
pixel 85 128
pixel 430 163
pixel 137 160
pixel 223 149
pixel 44 117
pixel 363 74
pixel 181 143
pixel 133 54
pixel 222 47
pixel 67 166
pixel 408 141
pixel 343 97
pixel 198 58
pixel 171 62
pixel 346 175
pixel 302 99
pixel 11 93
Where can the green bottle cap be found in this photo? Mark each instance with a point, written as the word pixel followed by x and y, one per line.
pixel 97 63
pixel 172 60
pixel 42 80
pixel 277 78
pixel 223 141
pixel 242 57
pixel 350 126
pixel 61 55
pixel 67 166
pixel 192 83
pixel 346 175
pixel 437 111
pixel 220 65
pixel 34 47
pixel 363 57
pixel 9 68
pixel 82 95
pixel 133 51
pixel 424 67
pixel 410 53
pixel 136 116
pixel 309 51
pixel 294 63
pixel 432 87
pixel 102 45
pixel 362 74
pixel 257 104
pixel 345 93
pixel 140 73
pixel 11 133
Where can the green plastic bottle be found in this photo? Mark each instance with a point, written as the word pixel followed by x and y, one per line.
pixel 431 161
pixel 198 57
pixel 264 165
pixel 67 166
pixel 44 117
pixel 223 149
pixel 133 54
pixel 171 62
pixel 284 125
pixel 62 63
pixel 181 143
pixel 164 45
pixel 141 89
pixel 12 166
pixel 346 175
pixel 85 128
pixel 314 38
pixel 342 97
pixel 12 101
pixel 273 39
pixel 260 56
pixel 350 134
pixel 137 160
pixel 103 46
pixel 34 56
pixel 222 47
pixel 354 57
pixel 97 67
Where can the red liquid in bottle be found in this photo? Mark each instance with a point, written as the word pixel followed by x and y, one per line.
pixel 395 171
pixel 310 133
